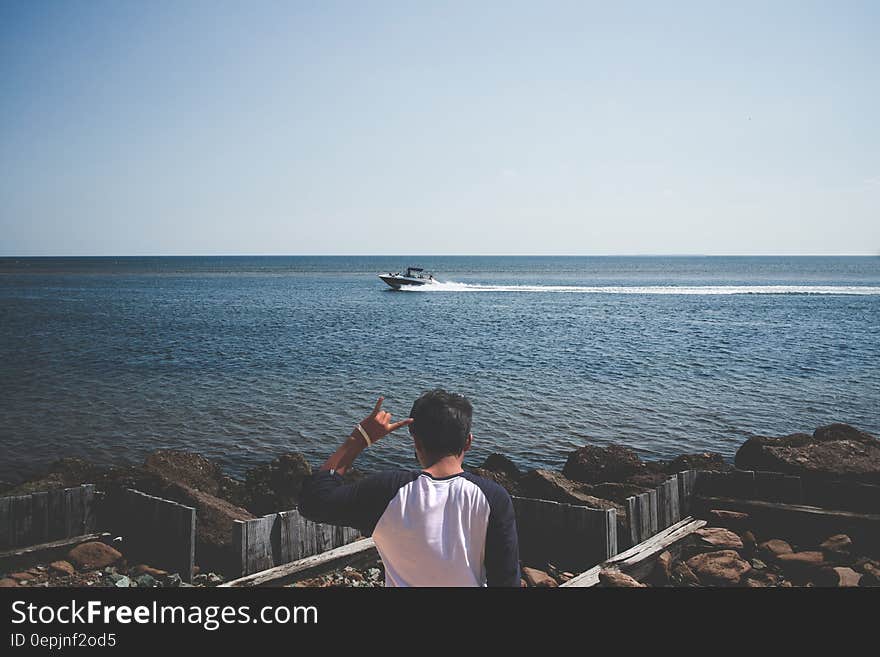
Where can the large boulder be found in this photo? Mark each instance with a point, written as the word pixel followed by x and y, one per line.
pixel 93 555
pixel 617 492
pixel 505 480
pixel 699 461
pixel 717 538
pixel 186 468
pixel 549 485
pixel 773 549
pixel 724 568
pixel 500 463
pixel 63 473
pixel 836 451
pixel 592 464
pixel 276 486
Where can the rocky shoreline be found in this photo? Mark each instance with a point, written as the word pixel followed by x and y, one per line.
pixel 593 475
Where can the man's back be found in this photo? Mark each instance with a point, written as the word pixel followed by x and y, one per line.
pixel 452 531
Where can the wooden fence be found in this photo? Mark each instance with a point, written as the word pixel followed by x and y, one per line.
pixel 652 512
pixel 46 516
pixel 790 489
pixel 279 538
pixel 570 537
pixel 155 531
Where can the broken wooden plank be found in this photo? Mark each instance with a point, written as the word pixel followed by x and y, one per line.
pixel 641 553
pixel 335 558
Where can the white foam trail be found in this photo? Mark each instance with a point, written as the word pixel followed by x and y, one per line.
pixel 452 286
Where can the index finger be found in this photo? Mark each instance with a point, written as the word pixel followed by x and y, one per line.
pixel 378 405
pixel 402 423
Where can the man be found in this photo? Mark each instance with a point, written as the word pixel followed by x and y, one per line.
pixel 439 526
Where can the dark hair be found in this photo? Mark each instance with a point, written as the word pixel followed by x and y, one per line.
pixel 442 422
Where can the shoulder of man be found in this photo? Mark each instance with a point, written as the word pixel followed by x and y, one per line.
pixel 494 492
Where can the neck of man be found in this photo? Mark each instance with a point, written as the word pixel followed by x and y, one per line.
pixel 446 466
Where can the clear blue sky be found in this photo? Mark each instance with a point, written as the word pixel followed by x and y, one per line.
pixel 472 127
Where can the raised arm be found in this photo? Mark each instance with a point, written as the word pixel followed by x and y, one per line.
pixel 374 427
pixel 325 497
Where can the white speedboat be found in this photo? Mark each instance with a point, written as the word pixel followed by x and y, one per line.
pixel 412 277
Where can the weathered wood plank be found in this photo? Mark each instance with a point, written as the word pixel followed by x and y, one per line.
pixel 158 531
pixel 239 543
pixel 776 487
pixel 73 509
pixel 187 524
pixel 335 558
pixel 843 495
pixel 40 517
pixel 89 512
pixel 632 520
pixel 57 515
pixel 569 536
pixel 687 481
pixel 259 544
pixel 649 549
pixel 21 520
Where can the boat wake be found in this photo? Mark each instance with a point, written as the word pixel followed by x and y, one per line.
pixel 452 286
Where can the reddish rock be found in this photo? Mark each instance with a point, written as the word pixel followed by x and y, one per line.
pixel 837 546
pixel 867 566
pixel 761 579
pixel 723 568
pixel 615 579
pixel 21 577
pixel 718 538
pixel 538 578
pixel 839 577
pixel 593 464
pixel 93 555
pixel 504 480
pixel 663 567
pixel 770 550
pixel 801 561
pixel 8 583
pixel 836 451
pixel 144 569
pixel 62 567
pixel 728 519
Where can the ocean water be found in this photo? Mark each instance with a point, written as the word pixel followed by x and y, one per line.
pixel 243 358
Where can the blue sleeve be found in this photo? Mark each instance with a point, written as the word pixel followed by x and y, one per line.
pixel 502 545
pixel 327 498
